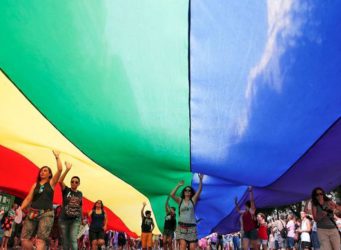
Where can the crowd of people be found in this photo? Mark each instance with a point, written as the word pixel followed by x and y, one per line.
pixel 315 228
pixel 37 224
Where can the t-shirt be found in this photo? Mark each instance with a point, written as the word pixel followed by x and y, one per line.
pixel 263 232
pixel 291 228
pixel 72 200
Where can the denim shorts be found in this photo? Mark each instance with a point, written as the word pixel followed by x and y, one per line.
pixel 290 242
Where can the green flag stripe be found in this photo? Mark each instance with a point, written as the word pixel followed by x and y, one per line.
pixel 112 76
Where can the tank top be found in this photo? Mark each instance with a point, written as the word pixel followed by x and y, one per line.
pixel 324 222
pixel 187 212
pixel 248 222
pixel 97 221
pixel 305 235
pixel 43 196
pixel 263 232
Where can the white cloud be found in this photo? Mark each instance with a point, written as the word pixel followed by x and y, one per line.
pixel 283 30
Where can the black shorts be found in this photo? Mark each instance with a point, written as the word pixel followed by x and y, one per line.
pixel 96 235
pixel 305 244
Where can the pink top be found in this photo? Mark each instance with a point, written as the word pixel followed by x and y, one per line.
pixel 291 228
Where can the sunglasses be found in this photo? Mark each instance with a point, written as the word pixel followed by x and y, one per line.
pixel 318 194
pixel 76 182
pixel 188 190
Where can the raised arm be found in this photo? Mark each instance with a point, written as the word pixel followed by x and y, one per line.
pixel 142 210
pixel 252 199
pixel 56 176
pixel 167 205
pixel 28 198
pixel 68 166
pixel 197 194
pixel 173 193
pixel 236 204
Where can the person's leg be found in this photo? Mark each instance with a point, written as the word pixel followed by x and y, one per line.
pixel 254 244
pixel 245 244
pixel 170 242
pixel 149 240
pixel 100 242
pixel 65 232
pixel 5 241
pixel 192 246
pixel 324 238
pixel 26 244
pixel 144 241
pixel 334 239
pixel 40 244
pixel 73 233
pixel 94 245
pixel 45 224
pixel 183 244
pixel 27 231
pixel 165 242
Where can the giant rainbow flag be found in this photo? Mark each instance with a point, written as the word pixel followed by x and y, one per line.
pixel 139 94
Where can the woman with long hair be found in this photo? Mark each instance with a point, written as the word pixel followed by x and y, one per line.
pixel 39 219
pixel 186 231
pixel 323 210
pixel 98 225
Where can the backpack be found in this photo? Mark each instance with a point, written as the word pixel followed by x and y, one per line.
pixel 284 231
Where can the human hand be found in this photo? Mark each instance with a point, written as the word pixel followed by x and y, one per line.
pixel 68 165
pixel 144 203
pixel 56 153
pixel 201 176
pixel 181 183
